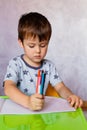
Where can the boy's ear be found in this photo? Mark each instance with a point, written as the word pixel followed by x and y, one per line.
pixel 20 43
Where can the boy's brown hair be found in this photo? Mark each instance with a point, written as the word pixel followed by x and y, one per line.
pixel 34 24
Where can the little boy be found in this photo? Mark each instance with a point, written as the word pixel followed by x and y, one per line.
pixel 34 32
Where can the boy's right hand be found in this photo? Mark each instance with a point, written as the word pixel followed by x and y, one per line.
pixel 36 102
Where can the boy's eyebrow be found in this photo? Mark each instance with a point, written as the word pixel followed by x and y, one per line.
pixel 45 41
pixel 32 42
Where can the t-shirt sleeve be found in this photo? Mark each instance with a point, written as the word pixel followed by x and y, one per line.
pixel 12 71
pixel 54 75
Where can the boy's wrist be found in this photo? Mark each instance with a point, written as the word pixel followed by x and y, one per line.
pixel 26 101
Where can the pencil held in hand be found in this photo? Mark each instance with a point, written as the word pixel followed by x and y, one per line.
pixel 40 82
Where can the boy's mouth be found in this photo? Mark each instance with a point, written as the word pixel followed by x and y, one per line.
pixel 37 56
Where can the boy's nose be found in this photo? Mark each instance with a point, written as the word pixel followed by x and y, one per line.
pixel 38 49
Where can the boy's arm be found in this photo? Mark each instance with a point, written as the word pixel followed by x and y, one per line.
pixel 63 91
pixel 34 102
pixel 66 93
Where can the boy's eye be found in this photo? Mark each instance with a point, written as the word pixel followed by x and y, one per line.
pixel 31 46
pixel 43 45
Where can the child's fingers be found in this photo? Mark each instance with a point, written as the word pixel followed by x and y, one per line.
pixel 69 99
pixel 72 102
pixel 76 102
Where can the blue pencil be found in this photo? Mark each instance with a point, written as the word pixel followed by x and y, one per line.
pixel 42 82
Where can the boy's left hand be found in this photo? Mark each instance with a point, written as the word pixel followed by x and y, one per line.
pixel 75 101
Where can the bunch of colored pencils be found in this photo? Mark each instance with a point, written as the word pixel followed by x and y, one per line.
pixel 40 82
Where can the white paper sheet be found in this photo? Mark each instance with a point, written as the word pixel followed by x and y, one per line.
pixel 52 104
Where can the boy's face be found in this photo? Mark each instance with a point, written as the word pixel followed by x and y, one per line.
pixel 34 50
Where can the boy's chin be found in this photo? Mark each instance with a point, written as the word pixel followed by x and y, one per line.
pixel 37 63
